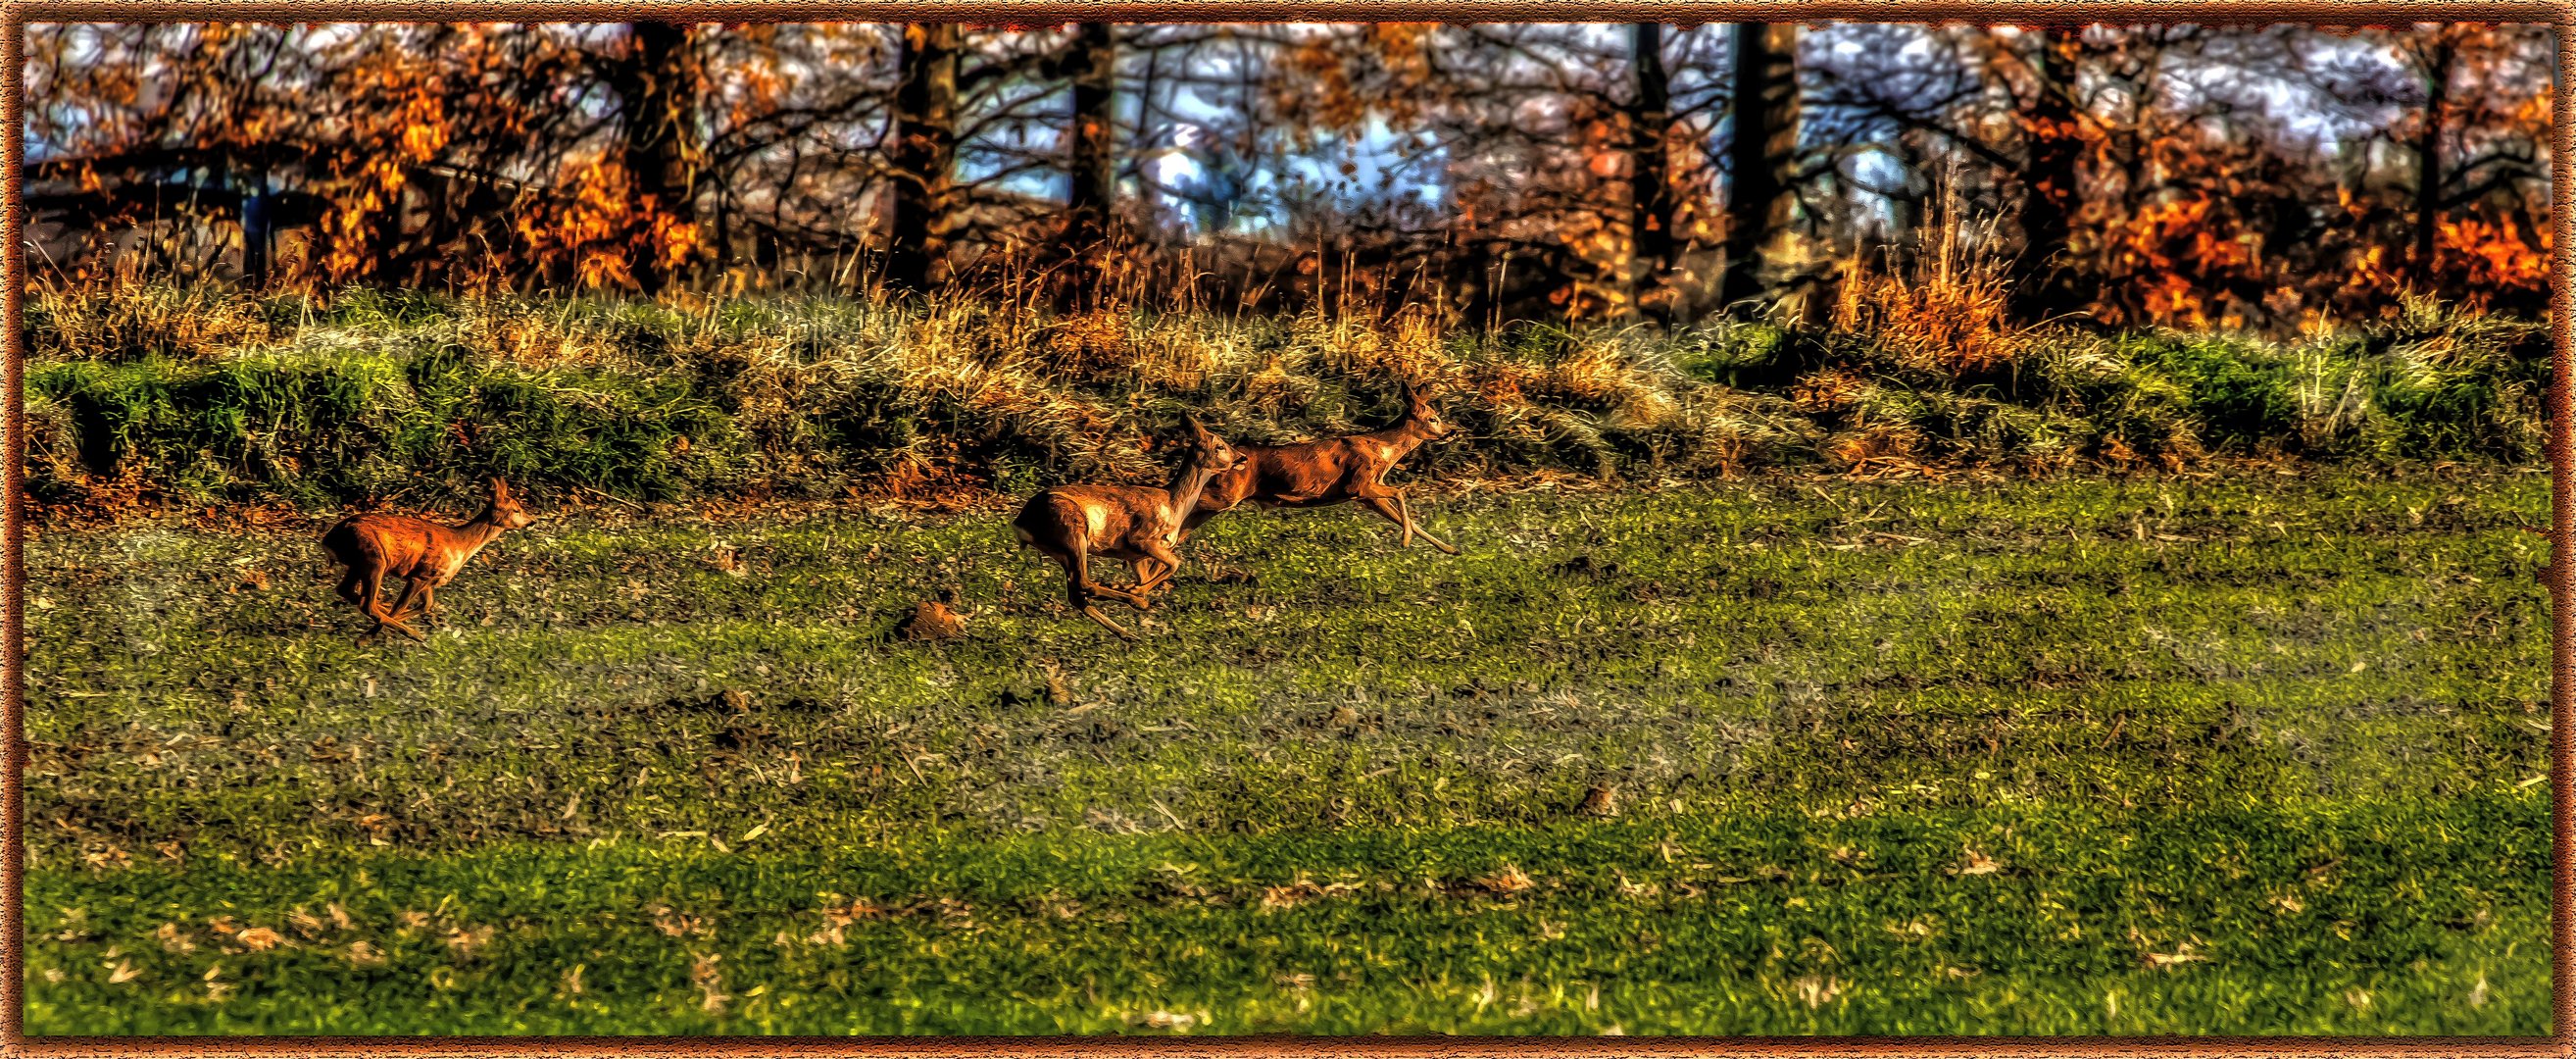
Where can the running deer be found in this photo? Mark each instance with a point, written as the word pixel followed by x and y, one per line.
pixel 1330 471
pixel 424 554
pixel 1072 524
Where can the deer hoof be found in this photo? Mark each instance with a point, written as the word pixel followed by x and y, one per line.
pixel 1094 614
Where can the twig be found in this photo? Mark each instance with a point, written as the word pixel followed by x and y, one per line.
pixel 610 496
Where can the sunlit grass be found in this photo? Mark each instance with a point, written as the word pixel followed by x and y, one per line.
pixel 2251 754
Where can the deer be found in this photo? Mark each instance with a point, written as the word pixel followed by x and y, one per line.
pixel 425 554
pixel 1072 524
pixel 1325 472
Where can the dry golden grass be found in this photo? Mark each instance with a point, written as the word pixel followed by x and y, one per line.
pixel 143 320
pixel 1942 312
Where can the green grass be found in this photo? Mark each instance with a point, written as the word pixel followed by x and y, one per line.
pixel 2234 755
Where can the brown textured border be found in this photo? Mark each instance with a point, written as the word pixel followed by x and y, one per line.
pixel 13 530
pixel 1286 1047
pixel 2561 578
pixel 2562 539
pixel 1676 11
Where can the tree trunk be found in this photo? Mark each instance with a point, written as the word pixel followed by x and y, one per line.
pixel 1091 153
pixel 256 240
pixel 2051 156
pixel 655 86
pixel 1762 157
pixel 1651 206
pixel 2428 161
pixel 923 155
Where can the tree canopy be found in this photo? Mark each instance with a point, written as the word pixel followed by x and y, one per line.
pixel 2264 177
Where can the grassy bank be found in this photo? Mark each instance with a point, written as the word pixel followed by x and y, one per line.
pixel 2247 754
pixel 192 396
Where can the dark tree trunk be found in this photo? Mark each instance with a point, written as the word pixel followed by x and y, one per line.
pixel 653 85
pixel 256 240
pixel 1762 156
pixel 923 155
pixel 1091 151
pixel 2428 162
pixel 2052 155
pixel 1651 204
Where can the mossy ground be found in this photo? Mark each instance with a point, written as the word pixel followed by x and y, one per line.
pixel 2246 754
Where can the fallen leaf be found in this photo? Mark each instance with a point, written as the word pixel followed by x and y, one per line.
pixel 1976 863
pixel 1510 880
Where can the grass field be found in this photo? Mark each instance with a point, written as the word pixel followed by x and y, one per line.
pixel 2248 754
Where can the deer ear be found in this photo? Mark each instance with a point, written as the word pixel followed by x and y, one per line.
pixel 500 489
pixel 1197 430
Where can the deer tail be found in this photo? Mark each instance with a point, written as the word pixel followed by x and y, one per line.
pixel 347 545
pixel 1043 511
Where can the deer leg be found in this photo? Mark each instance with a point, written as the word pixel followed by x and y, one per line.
pixel 1146 577
pixel 1126 596
pixel 1156 570
pixel 1402 508
pixel 402 603
pixel 360 591
pixel 1381 505
pixel 1179 537
pixel 1094 614
pixel 1078 589
pixel 427 590
pixel 374 605
pixel 1161 554
pixel 1387 506
pixel 1133 599
pixel 1081 571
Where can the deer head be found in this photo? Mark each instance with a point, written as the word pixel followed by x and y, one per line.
pixel 505 511
pixel 1208 450
pixel 1425 418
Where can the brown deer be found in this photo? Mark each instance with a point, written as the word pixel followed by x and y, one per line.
pixel 424 554
pixel 1072 524
pixel 1328 471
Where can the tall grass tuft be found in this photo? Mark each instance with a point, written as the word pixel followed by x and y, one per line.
pixel 1939 310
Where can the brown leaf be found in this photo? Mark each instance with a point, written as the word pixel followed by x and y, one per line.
pixel 173 940
pixel 1975 863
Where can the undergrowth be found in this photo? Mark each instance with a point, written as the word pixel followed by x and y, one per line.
pixel 198 395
